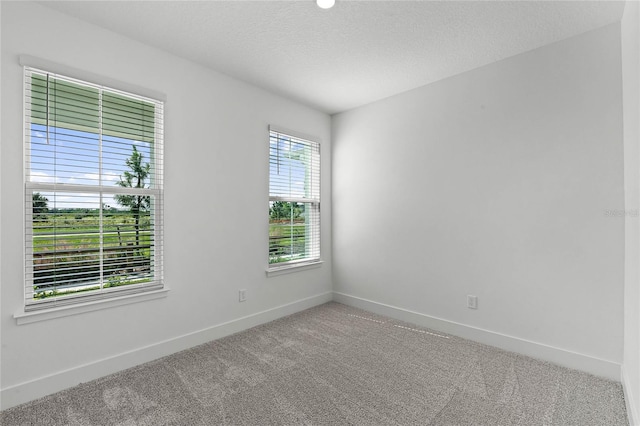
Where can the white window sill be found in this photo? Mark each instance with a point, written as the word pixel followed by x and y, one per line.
pixel 287 269
pixel 63 311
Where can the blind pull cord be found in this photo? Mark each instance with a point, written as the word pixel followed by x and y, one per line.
pixel 46 109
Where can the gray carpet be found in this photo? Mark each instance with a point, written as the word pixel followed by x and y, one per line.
pixel 336 365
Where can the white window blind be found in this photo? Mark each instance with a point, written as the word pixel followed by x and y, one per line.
pixel 294 200
pixel 93 191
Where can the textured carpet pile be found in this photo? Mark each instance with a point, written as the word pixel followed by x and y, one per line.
pixel 335 365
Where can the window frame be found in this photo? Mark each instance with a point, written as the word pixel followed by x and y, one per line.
pixel 274 269
pixel 104 297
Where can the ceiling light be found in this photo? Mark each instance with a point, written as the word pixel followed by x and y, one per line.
pixel 325 4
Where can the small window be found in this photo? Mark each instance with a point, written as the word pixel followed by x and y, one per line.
pixel 93 191
pixel 294 200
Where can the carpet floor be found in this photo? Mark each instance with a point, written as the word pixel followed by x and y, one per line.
pixel 335 365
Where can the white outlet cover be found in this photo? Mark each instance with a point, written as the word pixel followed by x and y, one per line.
pixel 472 302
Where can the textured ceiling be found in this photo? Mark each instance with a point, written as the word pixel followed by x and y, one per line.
pixel 352 54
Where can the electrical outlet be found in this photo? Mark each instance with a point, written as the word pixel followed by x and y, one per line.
pixel 472 301
pixel 242 295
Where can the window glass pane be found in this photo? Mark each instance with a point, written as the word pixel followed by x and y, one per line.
pixel 67 242
pixel 287 231
pixel 63 156
pixel 289 167
pixel 116 157
pixel 129 242
pixel 70 106
pixel 129 118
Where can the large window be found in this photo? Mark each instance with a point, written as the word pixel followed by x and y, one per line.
pixel 294 200
pixel 93 191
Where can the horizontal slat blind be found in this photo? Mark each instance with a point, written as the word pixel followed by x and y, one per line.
pixel 127 118
pixel 294 199
pixel 93 192
pixel 65 105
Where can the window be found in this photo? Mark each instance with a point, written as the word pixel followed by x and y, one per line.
pixel 294 200
pixel 93 191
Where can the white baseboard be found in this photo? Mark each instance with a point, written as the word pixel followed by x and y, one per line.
pixel 574 360
pixel 28 391
pixel 630 400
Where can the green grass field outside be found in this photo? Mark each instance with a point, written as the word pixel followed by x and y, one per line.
pixel 66 251
pixel 287 241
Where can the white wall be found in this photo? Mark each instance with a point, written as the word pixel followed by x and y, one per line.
pixel 495 183
pixel 631 96
pixel 216 173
